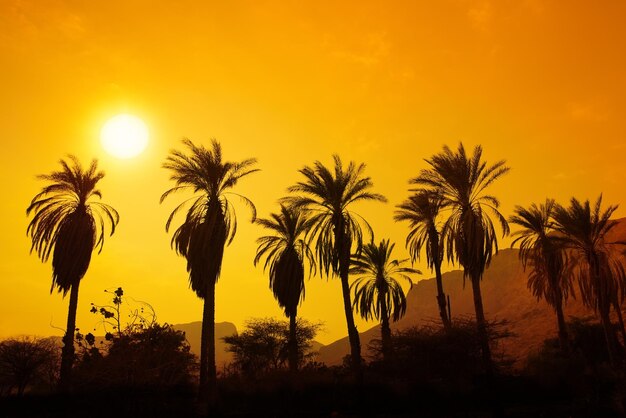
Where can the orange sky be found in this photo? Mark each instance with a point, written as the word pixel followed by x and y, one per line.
pixel 541 84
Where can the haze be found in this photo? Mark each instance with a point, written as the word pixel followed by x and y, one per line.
pixel 540 84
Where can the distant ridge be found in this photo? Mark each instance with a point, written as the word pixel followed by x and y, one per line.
pixel 193 332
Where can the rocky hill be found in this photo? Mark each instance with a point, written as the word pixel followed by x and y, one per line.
pixel 505 297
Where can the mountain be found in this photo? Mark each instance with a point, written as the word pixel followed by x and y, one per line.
pixel 193 332
pixel 505 297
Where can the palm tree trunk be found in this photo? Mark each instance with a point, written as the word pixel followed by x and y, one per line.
pixel 622 329
pixel 563 337
pixel 67 354
pixel 204 356
pixel 609 333
pixel 293 344
pixel 441 297
pixel 208 371
pixel 385 331
pixel 481 324
pixel 353 334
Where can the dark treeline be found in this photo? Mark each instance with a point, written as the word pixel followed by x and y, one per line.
pixel 450 215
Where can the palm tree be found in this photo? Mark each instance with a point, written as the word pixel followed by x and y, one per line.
pixel 469 233
pixel 209 225
pixel 68 225
pixel 600 274
pixel 377 292
pixel 422 211
pixel 544 251
pixel 285 252
pixel 327 194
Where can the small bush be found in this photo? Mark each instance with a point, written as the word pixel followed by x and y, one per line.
pixel 431 352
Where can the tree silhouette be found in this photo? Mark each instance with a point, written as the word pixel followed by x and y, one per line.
pixel 544 252
pixel 26 361
pixel 377 292
pixel 285 252
pixel 422 211
pixel 600 274
pixel 327 194
pixel 469 233
pixel 209 225
pixel 68 225
pixel 263 345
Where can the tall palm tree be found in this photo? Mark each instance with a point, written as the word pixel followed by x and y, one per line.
pixel 69 225
pixel 544 252
pixel 600 274
pixel 285 253
pixel 469 233
pixel 209 225
pixel 422 211
pixel 328 194
pixel 377 292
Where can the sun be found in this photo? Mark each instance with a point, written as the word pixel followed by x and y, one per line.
pixel 124 136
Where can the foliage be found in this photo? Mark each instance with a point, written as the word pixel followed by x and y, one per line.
pixel 210 222
pixel 140 353
pixel 67 224
pixel 422 210
pixel 432 352
pixel 327 195
pixel 285 253
pixel 461 180
pixel 25 362
pixel 599 271
pixel 263 345
pixel 588 351
pixel 140 315
pixel 156 356
pixel 543 251
pixel 377 291
pixel 584 373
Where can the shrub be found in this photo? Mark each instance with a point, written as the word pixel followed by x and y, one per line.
pixel 27 362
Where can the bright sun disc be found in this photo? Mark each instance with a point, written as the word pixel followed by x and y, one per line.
pixel 124 136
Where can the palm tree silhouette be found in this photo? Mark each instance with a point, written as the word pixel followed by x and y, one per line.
pixel 422 211
pixel 334 228
pixel 469 233
pixel 68 225
pixel 377 292
pixel 285 252
pixel 209 225
pixel 600 274
pixel 544 252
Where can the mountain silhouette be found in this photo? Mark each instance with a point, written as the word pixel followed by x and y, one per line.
pixel 193 332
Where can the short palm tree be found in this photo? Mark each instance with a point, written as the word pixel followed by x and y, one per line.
pixel 543 251
pixel 422 210
pixel 285 253
pixel 600 274
pixel 209 225
pixel 327 194
pixel 69 225
pixel 469 233
pixel 377 292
